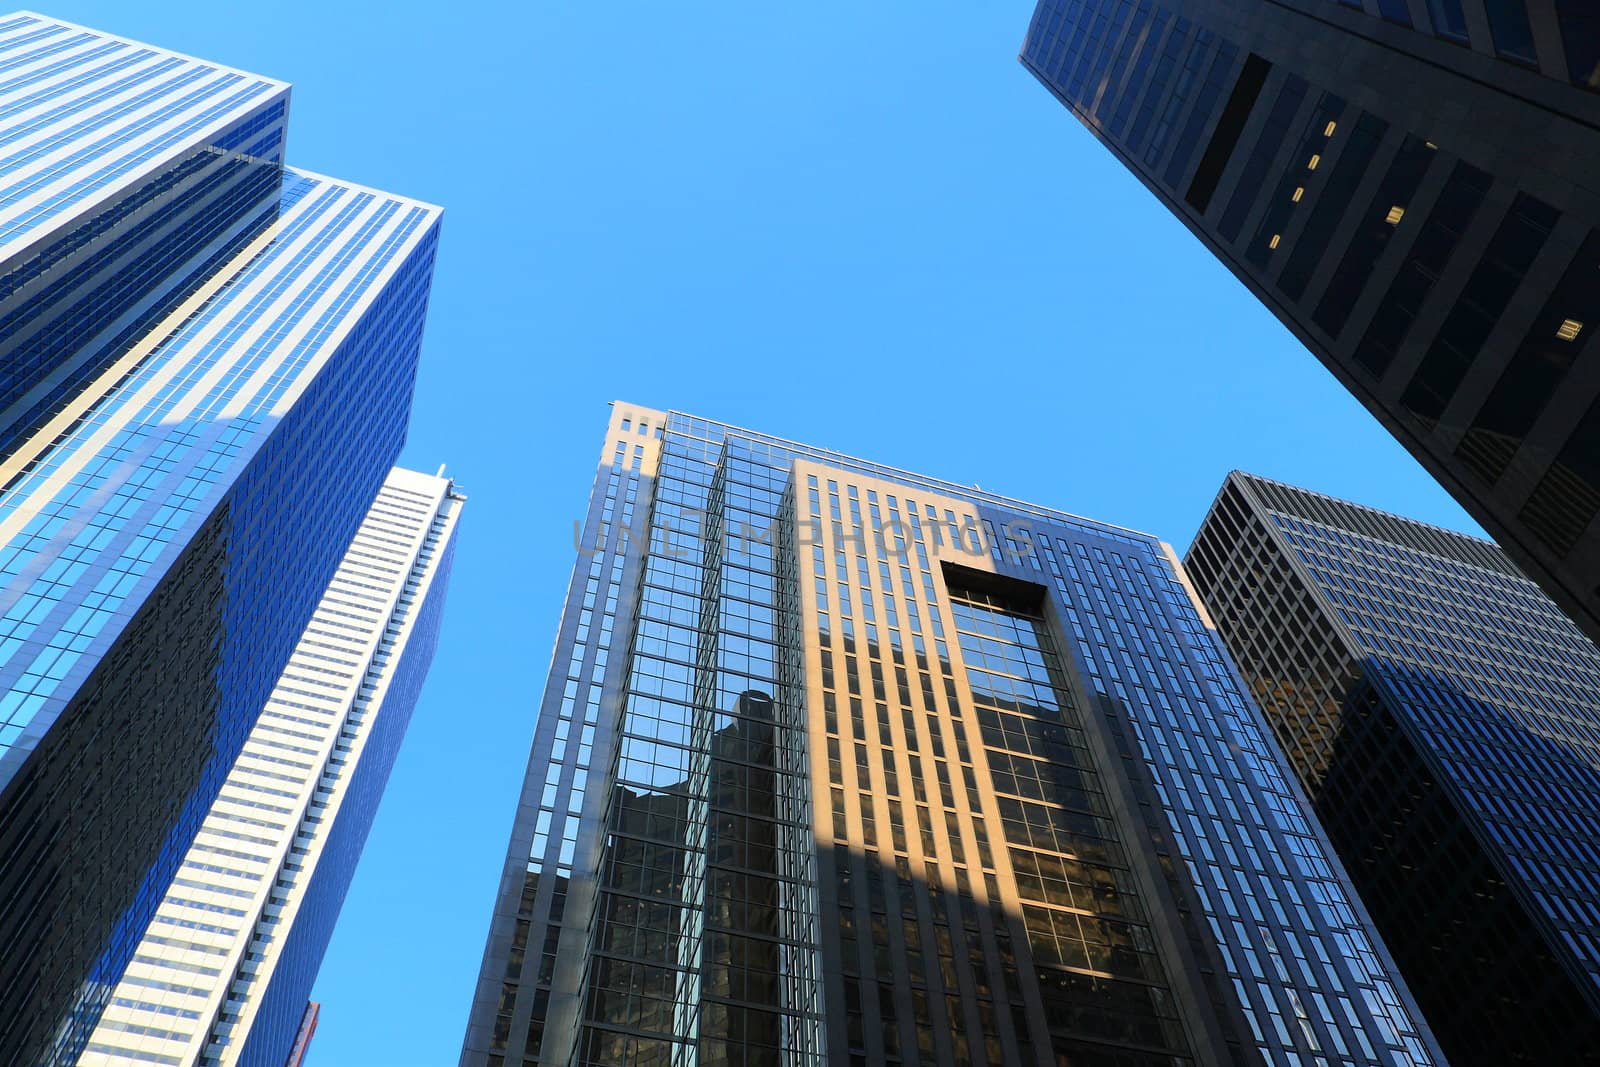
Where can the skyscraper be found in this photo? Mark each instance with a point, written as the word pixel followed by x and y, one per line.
pixel 1441 713
pixel 222 974
pixel 839 763
pixel 206 365
pixel 1410 187
pixel 302 1037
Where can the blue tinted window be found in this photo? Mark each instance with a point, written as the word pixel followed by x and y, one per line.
pixel 1448 19
pixel 1205 102
pixel 1140 75
pixel 1171 56
pixel 1580 33
pixel 1395 11
pixel 1508 21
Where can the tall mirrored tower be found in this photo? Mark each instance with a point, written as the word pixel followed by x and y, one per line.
pixel 837 763
pixel 206 366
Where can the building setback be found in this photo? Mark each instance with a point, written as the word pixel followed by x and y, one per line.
pixel 223 972
pixel 837 763
pixel 1414 190
pixel 1442 714
pixel 206 367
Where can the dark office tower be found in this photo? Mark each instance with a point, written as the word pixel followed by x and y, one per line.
pixel 1442 714
pixel 840 764
pixel 1413 187
pixel 206 365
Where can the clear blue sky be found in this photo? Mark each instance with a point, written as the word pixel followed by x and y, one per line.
pixel 857 224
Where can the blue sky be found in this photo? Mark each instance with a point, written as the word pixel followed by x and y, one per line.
pixel 857 224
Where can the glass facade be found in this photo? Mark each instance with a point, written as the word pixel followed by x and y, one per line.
pixel 1414 212
pixel 1100 974
pixel 111 256
pixel 257 894
pixel 1440 711
pixel 86 114
pixel 1510 30
pixel 209 358
pixel 839 763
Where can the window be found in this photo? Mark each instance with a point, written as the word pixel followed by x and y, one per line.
pixel 1253 177
pixel 1511 251
pixel 1580 34
pixel 1538 368
pixel 1373 234
pixel 1449 21
pixel 1568 496
pixel 1395 11
pixel 1290 187
pixel 1441 231
pixel 1241 102
pixel 1508 23
pixel 1331 204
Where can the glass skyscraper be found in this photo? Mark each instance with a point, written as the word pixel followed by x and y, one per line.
pixel 302 1038
pixel 1409 186
pixel 1444 717
pixel 223 972
pixel 838 763
pixel 206 366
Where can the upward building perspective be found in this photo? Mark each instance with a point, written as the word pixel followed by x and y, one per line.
pixel 206 368
pixel 837 763
pixel 1440 711
pixel 223 973
pixel 1414 190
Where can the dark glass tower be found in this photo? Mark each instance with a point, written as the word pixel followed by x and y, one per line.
pixel 1444 717
pixel 1410 186
pixel 842 764
pixel 206 367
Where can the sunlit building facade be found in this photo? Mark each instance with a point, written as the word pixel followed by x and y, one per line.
pixel 223 973
pixel 1442 714
pixel 838 763
pixel 206 366
pixel 1410 187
